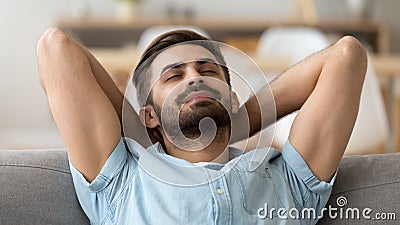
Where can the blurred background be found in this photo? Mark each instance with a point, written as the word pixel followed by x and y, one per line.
pixel 114 31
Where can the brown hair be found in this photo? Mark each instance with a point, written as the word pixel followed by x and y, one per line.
pixel 142 76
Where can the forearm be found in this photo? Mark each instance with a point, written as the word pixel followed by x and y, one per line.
pixel 292 88
pixel 258 109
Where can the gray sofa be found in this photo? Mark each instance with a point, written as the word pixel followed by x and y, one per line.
pixel 36 188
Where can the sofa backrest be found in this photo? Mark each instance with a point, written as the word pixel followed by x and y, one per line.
pixel 369 183
pixel 36 188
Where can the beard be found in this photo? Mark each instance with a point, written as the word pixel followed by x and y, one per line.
pixel 189 117
pixel 189 120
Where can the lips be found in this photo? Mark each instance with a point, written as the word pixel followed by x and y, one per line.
pixel 198 95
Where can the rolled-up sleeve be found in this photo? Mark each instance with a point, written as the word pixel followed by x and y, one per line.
pixel 94 197
pixel 306 188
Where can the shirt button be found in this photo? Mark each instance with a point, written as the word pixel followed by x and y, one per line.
pixel 219 191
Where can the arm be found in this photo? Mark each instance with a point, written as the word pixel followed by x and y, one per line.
pixel 326 89
pixel 85 103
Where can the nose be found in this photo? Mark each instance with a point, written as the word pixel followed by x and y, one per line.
pixel 194 76
pixel 193 82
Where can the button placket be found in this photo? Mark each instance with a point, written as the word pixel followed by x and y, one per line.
pixel 217 182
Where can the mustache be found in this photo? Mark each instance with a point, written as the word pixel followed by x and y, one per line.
pixel 201 87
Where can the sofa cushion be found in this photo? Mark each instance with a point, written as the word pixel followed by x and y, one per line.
pixel 36 188
pixel 369 181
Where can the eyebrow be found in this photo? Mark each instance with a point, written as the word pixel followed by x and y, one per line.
pixel 206 60
pixel 169 66
pixel 180 64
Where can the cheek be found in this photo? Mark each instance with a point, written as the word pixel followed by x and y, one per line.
pixel 157 99
pixel 157 94
pixel 162 97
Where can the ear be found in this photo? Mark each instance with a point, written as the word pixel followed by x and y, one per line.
pixel 235 102
pixel 148 117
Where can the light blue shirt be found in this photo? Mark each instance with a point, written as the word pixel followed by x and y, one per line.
pixel 147 186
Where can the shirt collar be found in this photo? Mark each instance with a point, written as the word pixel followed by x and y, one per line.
pixel 158 149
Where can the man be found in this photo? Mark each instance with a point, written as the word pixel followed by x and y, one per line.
pixel 193 179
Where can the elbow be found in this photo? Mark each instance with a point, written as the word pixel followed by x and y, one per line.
pixel 354 55
pixel 52 40
pixel 50 46
pixel 351 47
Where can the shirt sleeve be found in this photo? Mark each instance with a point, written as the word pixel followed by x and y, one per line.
pixel 307 189
pixel 97 196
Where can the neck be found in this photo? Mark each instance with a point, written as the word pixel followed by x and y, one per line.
pixel 216 151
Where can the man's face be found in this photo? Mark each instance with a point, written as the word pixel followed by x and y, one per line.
pixel 189 86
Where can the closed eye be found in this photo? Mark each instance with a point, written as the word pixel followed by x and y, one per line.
pixel 173 76
pixel 208 68
pixel 208 71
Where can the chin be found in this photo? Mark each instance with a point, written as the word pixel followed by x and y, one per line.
pixel 189 119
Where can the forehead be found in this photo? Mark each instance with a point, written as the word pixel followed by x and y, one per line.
pixel 179 54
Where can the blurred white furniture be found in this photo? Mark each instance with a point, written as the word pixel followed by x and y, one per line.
pixel 294 43
pixel 291 42
pixel 371 130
